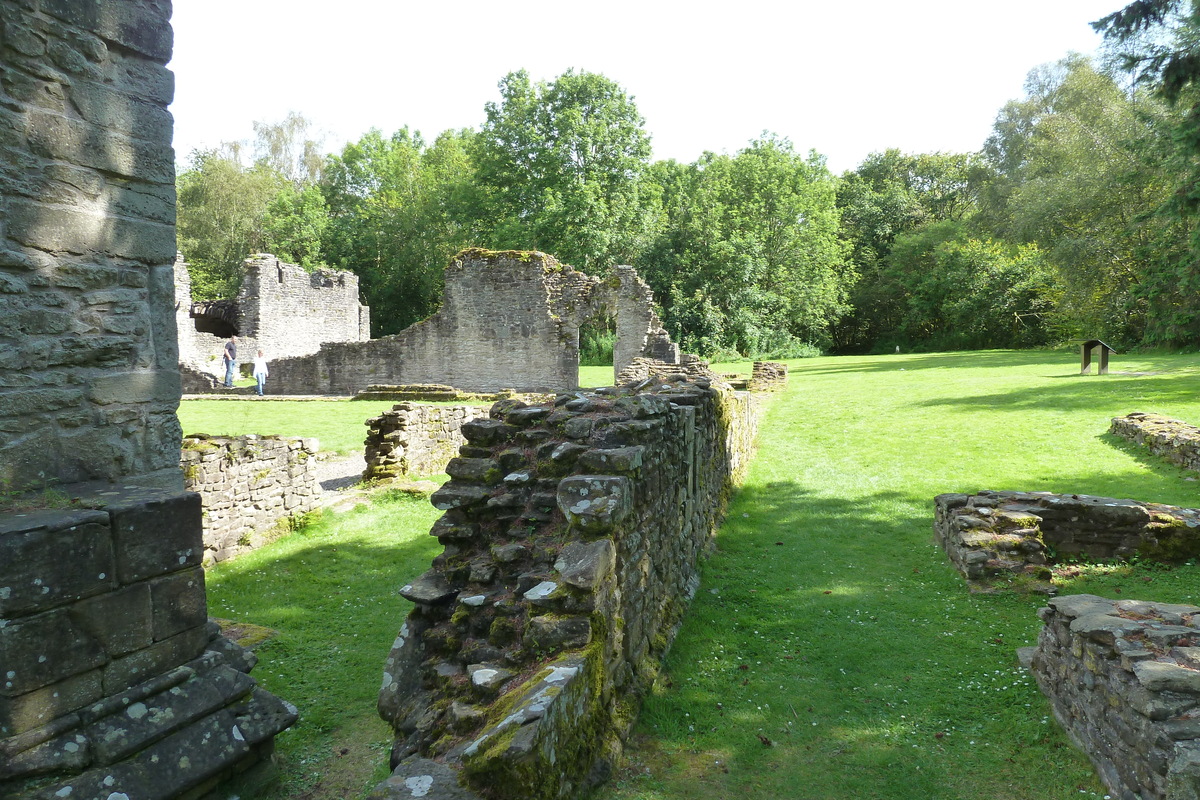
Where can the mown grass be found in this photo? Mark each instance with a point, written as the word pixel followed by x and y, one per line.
pixel 831 651
pixel 329 591
pixel 340 425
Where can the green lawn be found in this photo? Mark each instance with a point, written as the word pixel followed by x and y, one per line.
pixel 831 651
pixel 340 425
pixel 830 624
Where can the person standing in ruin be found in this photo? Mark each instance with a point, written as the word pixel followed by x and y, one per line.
pixel 230 361
pixel 260 371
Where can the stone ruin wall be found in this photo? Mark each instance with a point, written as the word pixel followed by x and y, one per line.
pixel 1123 679
pixel 281 308
pixel 414 439
pixel 572 535
pixel 508 320
pixel 88 383
pixel 995 539
pixel 768 376
pixel 112 672
pixel 1176 441
pixel 249 485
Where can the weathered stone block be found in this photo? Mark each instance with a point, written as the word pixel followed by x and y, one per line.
pixel 159 657
pixel 42 649
pixel 120 735
pixel 585 565
pixel 41 706
pixel 179 602
pixel 595 503
pixel 34 570
pixel 136 387
pixel 121 620
pixel 158 536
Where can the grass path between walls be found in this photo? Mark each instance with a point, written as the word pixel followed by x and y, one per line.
pixel 831 652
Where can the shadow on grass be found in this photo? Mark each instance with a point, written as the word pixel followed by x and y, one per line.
pixel 980 359
pixel 332 597
pixel 1084 393
pixel 826 649
pixel 1065 364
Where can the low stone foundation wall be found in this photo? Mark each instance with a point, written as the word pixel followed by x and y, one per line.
pixel 1123 678
pixel 768 376
pixel 115 684
pixel 1007 539
pixel 640 369
pixel 1176 441
pixel 572 534
pixel 249 485
pixel 413 439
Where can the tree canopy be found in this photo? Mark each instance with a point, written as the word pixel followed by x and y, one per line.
pixel 1076 217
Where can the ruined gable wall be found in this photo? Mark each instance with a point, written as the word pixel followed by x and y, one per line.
pixel 504 323
pixel 288 311
pixel 88 379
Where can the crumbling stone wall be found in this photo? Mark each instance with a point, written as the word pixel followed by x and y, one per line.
pixel 1176 441
pixel 113 683
pixel 999 539
pixel 641 369
pixel 282 309
pixel 1123 679
pixel 572 534
pixel 640 333
pixel 248 485
pixel 508 320
pixel 413 439
pixel 768 376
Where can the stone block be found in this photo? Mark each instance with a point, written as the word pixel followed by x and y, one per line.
pixel 121 620
pixel 188 758
pixel 160 535
pixel 65 753
pixel 48 558
pixel 141 665
pixel 139 25
pixel 80 231
pixel 42 649
pixel 136 386
pixel 139 724
pixel 585 565
pixel 179 603
pixel 40 707
pixel 595 503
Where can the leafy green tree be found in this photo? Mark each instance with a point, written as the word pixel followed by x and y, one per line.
pixel 888 195
pixel 559 170
pixel 1158 43
pixel 294 223
pixel 750 258
pixel 285 148
pixel 398 209
pixel 961 292
pixel 221 210
pixel 1078 168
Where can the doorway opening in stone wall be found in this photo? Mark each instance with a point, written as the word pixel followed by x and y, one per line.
pixel 597 337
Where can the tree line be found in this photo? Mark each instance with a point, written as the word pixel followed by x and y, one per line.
pixel 1077 218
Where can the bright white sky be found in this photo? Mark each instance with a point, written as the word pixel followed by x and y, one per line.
pixel 844 78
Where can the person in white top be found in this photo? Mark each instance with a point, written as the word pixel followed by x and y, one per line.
pixel 260 371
